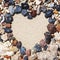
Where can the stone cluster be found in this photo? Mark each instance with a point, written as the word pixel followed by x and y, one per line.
pixel 48 48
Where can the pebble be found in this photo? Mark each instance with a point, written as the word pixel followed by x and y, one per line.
pixel 25 6
pixel 19 44
pixel 58 27
pixel 11 10
pixel 13 48
pixel 48 13
pixel 7 30
pixel 38 2
pixel 33 13
pixel 38 10
pixel 18 9
pixel 48 37
pixel 51 20
pixel 4 37
pixel 51 28
pixel 9 19
pixel 31 0
pixel 17 1
pixel 23 50
pixel 24 12
pixel 14 42
pixel 8 25
pixel 25 58
pixel 29 16
pixel 28 52
pixel 43 9
pixel 37 47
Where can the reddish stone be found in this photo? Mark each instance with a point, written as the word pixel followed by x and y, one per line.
pixel 8 25
pixel 28 52
pixel 33 13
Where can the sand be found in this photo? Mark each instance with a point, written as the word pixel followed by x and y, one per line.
pixel 29 31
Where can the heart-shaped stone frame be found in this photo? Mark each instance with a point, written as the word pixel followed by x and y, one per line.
pixel 29 31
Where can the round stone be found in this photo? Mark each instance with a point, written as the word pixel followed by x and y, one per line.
pixel 33 13
pixel 18 9
pixel 25 6
pixel 8 30
pixel 24 12
pixel 29 16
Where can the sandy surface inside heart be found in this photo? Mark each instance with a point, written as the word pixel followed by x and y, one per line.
pixel 29 31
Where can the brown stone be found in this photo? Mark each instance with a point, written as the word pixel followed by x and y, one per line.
pixel 31 0
pixel 14 42
pixel 20 57
pixel 58 27
pixel 51 28
pixel 3 24
pixel 33 13
pixel 6 4
pixel 17 1
pixel 55 11
pixel 6 56
pixel 8 25
pixel 0 1
pixel 9 35
pixel 28 52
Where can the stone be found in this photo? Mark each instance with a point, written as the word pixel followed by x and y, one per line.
pixel 37 47
pixel 23 50
pixel 38 2
pixel 13 48
pixel 33 13
pixel 11 2
pixel 29 16
pixel 9 19
pixel 17 1
pixel 19 44
pixel 25 58
pixel 28 52
pixel 43 9
pixel 31 0
pixel 0 1
pixel 58 27
pixel 8 25
pixel 55 11
pixel 48 37
pixel 51 28
pixel 58 7
pixel 48 13
pixel 18 9
pixel 50 20
pixel 6 4
pixel 25 6
pixel 11 10
pixel 43 43
pixel 10 35
pixel 20 57
pixel 4 37
pixel 38 10
pixel 14 42
pixel 8 30
pixel 24 12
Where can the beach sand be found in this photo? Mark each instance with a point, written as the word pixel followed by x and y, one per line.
pixel 29 31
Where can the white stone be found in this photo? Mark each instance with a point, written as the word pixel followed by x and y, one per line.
pixel 4 37
pixel 37 2
pixel 57 36
pixel 38 9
